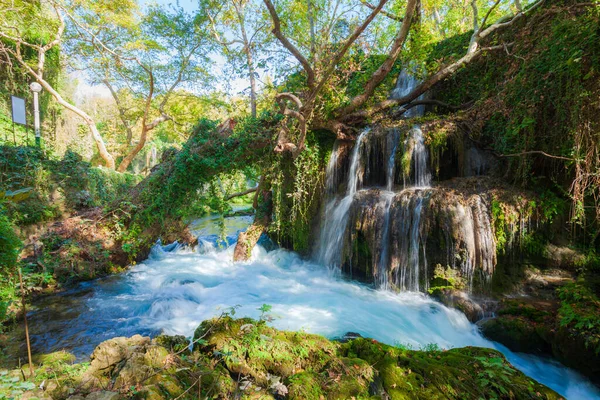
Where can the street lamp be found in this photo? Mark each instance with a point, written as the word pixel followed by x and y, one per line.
pixel 36 88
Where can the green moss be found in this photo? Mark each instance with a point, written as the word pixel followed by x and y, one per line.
pixel 516 308
pixel 517 334
pixel 305 385
pixel 448 278
pixel 313 367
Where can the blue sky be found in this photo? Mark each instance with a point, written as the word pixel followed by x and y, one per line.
pixel 188 5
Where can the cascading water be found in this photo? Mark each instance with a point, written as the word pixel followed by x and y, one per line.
pixel 415 144
pixel 393 140
pixel 334 228
pixel 408 262
pixel 404 85
pixel 367 156
pixel 378 231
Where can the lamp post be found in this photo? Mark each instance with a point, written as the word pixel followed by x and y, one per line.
pixel 36 88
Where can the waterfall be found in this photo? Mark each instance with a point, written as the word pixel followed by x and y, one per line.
pixel 408 247
pixel 336 212
pixel 415 146
pixel 381 268
pixel 332 170
pixel 392 145
pixel 404 85
pixel 354 178
pixel 378 231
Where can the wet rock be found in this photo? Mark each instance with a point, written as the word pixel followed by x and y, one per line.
pixel 562 257
pixel 121 363
pixel 461 300
pixel 35 395
pixel 414 230
pixel 311 367
pixel 515 334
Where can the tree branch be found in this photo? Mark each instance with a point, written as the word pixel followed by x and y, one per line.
pixel 310 74
pixel 473 52
pixel 383 12
pixel 243 193
pixel 543 153
pixel 384 69
pixel 342 52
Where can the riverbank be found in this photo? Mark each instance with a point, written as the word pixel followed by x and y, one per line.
pixel 247 359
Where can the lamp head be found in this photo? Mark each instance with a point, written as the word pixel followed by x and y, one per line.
pixel 35 87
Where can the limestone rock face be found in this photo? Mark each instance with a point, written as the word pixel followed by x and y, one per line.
pixel 103 395
pixel 473 309
pixel 398 238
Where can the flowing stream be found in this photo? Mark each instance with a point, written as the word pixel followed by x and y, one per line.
pixel 174 291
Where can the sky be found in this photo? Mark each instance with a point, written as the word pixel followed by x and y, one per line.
pixel 188 5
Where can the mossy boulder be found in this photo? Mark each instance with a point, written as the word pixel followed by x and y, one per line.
pixel 312 367
pixel 516 334
pixel 566 327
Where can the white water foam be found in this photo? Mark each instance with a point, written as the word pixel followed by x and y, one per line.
pixel 180 289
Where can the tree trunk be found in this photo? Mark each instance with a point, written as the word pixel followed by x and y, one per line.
pixel 381 73
pixel 252 77
pixel 248 239
pixel 134 152
pixel 108 159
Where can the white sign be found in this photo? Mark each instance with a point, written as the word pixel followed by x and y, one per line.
pixel 18 110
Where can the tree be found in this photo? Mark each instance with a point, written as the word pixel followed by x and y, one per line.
pixel 20 20
pixel 319 70
pixel 481 31
pixel 142 61
pixel 239 26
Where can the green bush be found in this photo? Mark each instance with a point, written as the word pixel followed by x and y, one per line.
pixel 78 183
pixel 9 254
pixel 580 311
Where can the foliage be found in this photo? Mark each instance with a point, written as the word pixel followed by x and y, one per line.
pixel 511 222
pixel 70 183
pixel 311 367
pixel 551 72
pixel 297 187
pixel 580 312
pixel 12 387
pixel 447 278
pixel 10 246
pixel 193 179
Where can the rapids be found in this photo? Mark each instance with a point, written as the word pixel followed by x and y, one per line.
pixel 173 291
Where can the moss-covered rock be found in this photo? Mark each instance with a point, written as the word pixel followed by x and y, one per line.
pixel 246 359
pixel 567 327
pixel 312 367
pixel 516 334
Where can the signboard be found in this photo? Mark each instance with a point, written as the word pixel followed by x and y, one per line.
pixel 18 110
